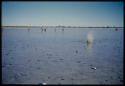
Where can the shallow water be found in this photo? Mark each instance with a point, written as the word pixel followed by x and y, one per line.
pixel 58 56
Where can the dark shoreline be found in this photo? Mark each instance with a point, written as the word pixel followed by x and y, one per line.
pixel 58 27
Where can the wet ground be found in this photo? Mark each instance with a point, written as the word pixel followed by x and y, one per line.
pixel 62 56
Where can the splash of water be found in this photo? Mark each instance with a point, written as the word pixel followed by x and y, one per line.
pixel 90 37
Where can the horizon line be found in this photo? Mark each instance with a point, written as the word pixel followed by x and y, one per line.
pixel 61 26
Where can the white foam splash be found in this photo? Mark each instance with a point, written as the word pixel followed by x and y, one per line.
pixel 89 37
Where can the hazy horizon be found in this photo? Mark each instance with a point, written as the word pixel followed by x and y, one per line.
pixel 62 13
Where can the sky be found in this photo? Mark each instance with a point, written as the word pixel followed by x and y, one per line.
pixel 62 13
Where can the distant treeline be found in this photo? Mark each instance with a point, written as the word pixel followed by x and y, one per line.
pixel 59 27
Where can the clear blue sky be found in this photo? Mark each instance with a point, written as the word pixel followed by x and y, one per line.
pixel 63 13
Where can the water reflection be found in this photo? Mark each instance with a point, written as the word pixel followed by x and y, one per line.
pixel 89 45
pixel 45 30
pixel 89 50
pixel 41 29
pixel 62 29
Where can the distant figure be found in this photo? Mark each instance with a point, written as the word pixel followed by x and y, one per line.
pixel 63 29
pixel 45 29
pixel 116 29
pixel 28 29
pixel 89 38
pixel 41 29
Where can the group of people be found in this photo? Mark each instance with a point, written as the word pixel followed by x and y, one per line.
pixel 43 29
